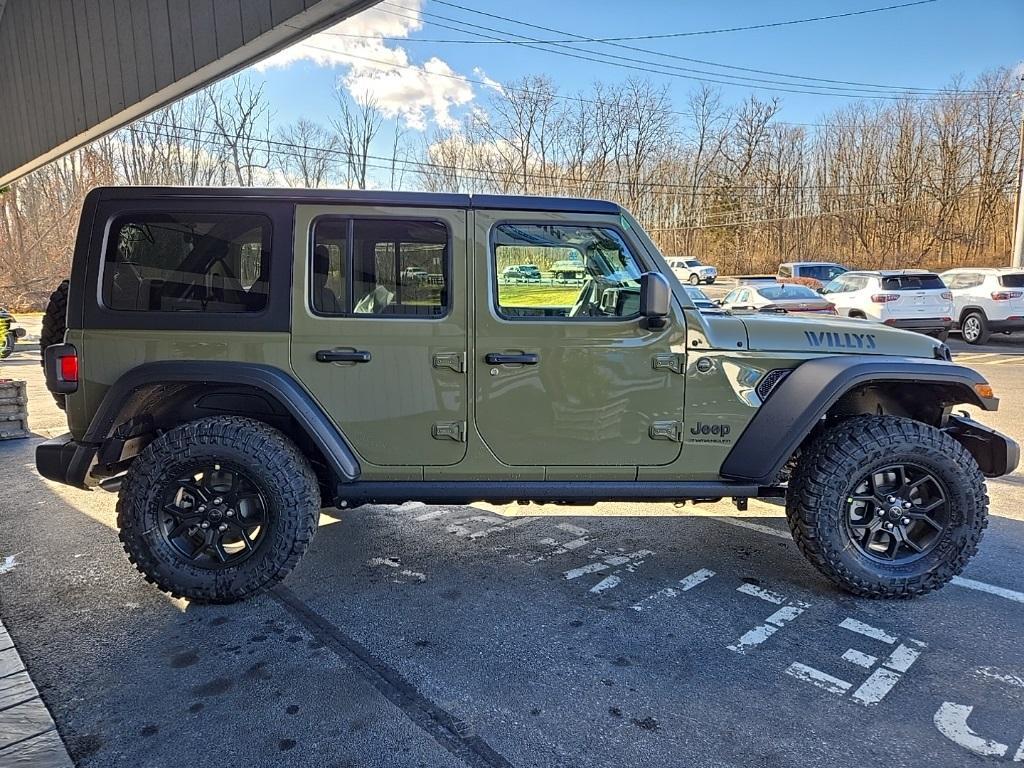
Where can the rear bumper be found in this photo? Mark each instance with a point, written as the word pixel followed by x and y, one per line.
pixel 920 324
pixel 65 460
pixel 996 454
pixel 1006 325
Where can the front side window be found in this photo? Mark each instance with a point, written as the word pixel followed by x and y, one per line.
pixel 394 268
pixel 187 262
pixel 564 271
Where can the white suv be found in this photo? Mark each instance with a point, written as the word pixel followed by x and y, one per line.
pixel 987 301
pixel 692 271
pixel 911 299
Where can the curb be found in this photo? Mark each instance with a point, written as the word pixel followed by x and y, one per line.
pixel 28 735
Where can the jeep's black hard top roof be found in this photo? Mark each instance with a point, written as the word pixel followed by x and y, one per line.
pixel 370 197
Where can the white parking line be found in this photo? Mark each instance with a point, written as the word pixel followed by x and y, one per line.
pixel 818 678
pixel 959 581
pixel 867 630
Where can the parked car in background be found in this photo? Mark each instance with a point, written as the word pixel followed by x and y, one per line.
pixel 521 273
pixel 700 299
pixel 692 271
pixel 10 332
pixel 813 274
pixel 415 275
pixel 912 299
pixel 986 301
pixel 780 297
pixel 568 270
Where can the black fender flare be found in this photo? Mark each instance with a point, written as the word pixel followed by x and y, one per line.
pixel 275 382
pixel 800 401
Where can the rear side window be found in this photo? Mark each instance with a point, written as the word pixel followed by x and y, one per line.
pixel 187 262
pixel 912 283
pixel 1015 280
pixel 393 268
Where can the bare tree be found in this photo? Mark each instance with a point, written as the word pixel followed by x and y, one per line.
pixel 356 126
pixel 305 152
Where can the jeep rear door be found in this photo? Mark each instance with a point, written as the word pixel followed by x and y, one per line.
pixel 381 347
pixel 569 376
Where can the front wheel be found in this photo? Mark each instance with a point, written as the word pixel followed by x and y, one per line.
pixel 218 509
pixel 694 280
pixel 887 506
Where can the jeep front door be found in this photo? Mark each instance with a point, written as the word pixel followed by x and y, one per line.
pixel 379 328
pixel 569 374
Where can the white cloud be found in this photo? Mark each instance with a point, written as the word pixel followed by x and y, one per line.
pixel 380 70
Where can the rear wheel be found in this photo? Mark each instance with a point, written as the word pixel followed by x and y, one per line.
pixel 218 509
pixel 55 322
pixel 974 328
pixel 887 506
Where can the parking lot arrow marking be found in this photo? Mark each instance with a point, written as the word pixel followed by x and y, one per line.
pixel 951 720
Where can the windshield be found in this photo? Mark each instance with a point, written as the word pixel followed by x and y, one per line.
pixel 691 263
pixel 912 283
pixel 696 294
pixel 788 291
pixel 822 272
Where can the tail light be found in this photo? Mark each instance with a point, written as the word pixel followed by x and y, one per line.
pixel 831 310
pixel 947 295
pixel 60 364
pixel 885 298
pixel 68 368
pixel 1006 295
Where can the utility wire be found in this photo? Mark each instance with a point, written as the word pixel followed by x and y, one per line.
pixel 611 41
pixel 294 150
pixel 768 25
pixel 649 67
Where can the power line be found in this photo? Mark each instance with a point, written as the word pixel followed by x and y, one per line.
pixel 293 148
pixel 612 41
pixel 768 25
pixel 649 67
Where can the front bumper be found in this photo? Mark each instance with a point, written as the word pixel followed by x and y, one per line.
pixel 996 454
pixel 65 460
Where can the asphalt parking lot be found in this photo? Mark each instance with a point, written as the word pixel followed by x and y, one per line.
pixel 528 636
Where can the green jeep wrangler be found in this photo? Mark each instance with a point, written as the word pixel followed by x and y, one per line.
pixel 232 360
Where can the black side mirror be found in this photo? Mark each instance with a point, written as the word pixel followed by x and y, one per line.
pixel 655 299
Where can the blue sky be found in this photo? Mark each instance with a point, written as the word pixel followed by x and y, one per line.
pixel 921 46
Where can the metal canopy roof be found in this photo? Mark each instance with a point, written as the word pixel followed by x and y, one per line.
pixel 73 70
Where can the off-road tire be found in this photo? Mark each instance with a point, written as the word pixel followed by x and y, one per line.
pixel 694 280
pixel 825 476
pixel 55 323
pixel 981 336
pixel 269 458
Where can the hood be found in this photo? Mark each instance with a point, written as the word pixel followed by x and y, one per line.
pixel 792 333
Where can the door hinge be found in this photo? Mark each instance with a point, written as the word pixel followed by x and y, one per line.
pixel 449 430
pixel 667 430
pixel 454 360
pixel 668 361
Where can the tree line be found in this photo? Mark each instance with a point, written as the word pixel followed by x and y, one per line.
pixel 924 181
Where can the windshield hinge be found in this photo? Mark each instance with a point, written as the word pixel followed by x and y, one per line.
pixel 669 361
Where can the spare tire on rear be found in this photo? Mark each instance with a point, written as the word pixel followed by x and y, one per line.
pixel 55 323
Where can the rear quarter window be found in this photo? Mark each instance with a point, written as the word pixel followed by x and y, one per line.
pixel 187 262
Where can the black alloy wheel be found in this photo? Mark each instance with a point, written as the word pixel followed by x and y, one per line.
pixel 213 516
pixel 898 513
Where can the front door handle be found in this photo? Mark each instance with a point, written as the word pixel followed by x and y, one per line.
pixel 342 356
pixel 522 358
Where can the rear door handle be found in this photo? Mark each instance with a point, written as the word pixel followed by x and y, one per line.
pixel 500 358
pixel 342 356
